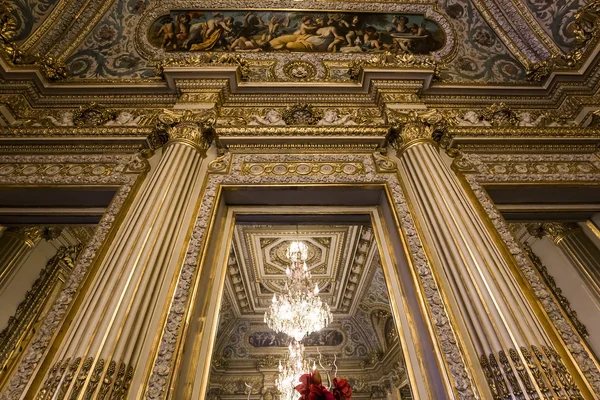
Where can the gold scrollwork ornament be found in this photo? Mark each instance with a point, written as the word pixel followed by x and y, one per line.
pixel 382 163
pixel 93 115
pixel 49 67
pixel 221 164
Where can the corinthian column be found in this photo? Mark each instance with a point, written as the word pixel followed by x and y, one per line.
pixel 15 246
pixel 98 356
pixel 579 249
pixel 514 353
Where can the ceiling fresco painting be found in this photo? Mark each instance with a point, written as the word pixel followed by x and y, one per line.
pixel 112 49
pixel 474 40
pixel 362 341
pixel 203 30
pixel 30 14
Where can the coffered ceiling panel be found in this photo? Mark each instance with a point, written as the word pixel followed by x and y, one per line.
pixel 260 257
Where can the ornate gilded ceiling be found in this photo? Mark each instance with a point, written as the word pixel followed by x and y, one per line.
pixel 303 69
pixel 478 41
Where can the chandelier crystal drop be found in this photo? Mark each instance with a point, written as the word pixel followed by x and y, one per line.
pixel 290 372
pixel 298 311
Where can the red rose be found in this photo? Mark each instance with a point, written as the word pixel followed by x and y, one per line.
pixel 341 389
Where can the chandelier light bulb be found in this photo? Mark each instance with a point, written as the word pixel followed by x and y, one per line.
pixel 290 371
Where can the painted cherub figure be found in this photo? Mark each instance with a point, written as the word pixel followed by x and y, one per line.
pixel 273 28
pixel 400 24
pixel 167 31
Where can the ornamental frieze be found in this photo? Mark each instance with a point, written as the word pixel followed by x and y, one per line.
pixel 303 168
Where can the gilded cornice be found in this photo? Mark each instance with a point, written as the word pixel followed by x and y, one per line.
pixel 395 61
pixel 204 60
pixel 525 132
pixel 370 91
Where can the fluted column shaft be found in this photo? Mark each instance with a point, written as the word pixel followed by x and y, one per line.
pixel 98 357
pixel 579 249
pixel 512 347
pixel 15 245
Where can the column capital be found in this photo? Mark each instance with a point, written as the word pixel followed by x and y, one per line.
pixel 195 129
pixel 416 127
pixel 554 230
pixel 29 234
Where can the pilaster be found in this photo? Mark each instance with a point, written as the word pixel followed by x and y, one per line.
pixel 100 352
pixel 15 245
pixel 515 354
pixel 570 238
pixel 25 321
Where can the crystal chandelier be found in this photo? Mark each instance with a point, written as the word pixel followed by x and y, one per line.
pixel 299 310
pixel 290 372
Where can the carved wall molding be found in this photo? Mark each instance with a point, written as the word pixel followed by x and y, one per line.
pixel 477 181
pixel 448 342
pixel 125 172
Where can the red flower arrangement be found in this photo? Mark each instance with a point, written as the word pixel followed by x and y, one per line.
pixel 311 388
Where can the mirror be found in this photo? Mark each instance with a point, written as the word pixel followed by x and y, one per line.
pixel 360 344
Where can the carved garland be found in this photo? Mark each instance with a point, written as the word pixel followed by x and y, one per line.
pixel 122 170
pixel 481 174
pixel 161 374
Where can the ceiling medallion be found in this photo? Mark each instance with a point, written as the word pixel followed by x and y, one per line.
pixel 298 311
pixel 300 71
